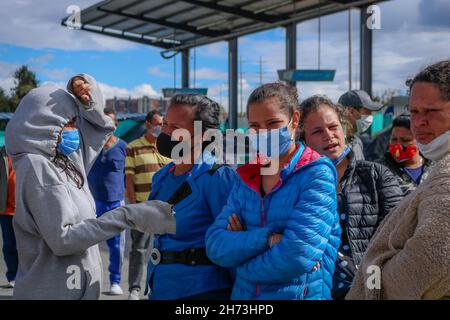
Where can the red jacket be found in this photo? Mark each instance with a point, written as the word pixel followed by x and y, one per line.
pixel 11 200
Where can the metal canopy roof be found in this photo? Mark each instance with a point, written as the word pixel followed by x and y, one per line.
pixel 174 25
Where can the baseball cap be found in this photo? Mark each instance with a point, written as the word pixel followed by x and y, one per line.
pixel 359 98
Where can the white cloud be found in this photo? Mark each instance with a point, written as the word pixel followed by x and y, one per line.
pixel 210 74
pixel 136 92
pixel 110 91
pixel 7 84
pixel 6 75
pixel 41 60
pixel 156 71
pixel 37 24
pixel 55 74
pixel 36 65
pixel 60 76
pixel 217 50
pixel 219 93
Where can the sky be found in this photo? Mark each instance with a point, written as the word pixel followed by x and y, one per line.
pixel 413 34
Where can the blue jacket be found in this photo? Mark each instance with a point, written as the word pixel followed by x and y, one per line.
pixel 302 207
pixel 194 214
pixel 107 176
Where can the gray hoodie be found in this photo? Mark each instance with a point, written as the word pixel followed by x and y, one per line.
pixel 55 224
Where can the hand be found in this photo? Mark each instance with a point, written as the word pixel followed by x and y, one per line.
pixel 274 239
pixel 81 89
pixel 316 267
pixel 234 224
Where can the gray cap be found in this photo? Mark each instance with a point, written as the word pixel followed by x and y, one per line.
pixel 359 98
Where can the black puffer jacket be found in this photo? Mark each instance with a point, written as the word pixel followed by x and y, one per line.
pixel 369 191
pixel 407 184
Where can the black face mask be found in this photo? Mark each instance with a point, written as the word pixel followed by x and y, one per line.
pixel 165 145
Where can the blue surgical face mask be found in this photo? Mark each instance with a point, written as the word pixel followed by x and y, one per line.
pixel 342 156
pixel 262 142
pixel 156 131
pixel 70 141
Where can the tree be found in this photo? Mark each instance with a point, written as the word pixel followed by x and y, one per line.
pixel 4 101
pixel 24 80
pixel 386 97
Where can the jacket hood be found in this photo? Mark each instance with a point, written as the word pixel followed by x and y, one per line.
pixel 251 173
pixel 38 120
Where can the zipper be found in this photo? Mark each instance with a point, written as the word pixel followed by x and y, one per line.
pixel 263 215
pixel 263 219
pixel 263 223
pixel 305 291
pixel 89 196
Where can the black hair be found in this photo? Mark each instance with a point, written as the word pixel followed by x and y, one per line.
pixel 313 103
pixel 437 74
pixel 205 110
pixel 403 120
pixel 109 111
pixel 151 114
pixel 287 95
pixel 69 169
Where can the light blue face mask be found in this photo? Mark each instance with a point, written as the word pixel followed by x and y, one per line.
pixel 70 141
pixel 342 156
pixel 262 142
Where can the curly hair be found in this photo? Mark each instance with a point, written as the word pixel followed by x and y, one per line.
pixel 313 103
pixel 438 74
pixel 205 110
pixel 287 95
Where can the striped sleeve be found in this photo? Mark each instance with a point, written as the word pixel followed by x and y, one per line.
pixel 129 162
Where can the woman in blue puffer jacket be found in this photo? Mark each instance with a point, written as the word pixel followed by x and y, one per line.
pixel 280 228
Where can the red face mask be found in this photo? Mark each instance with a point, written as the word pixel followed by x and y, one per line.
pixel 401 154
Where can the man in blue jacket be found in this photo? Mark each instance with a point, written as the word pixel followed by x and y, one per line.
pixel 107 184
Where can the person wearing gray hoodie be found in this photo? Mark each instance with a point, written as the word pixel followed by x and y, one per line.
pixel 56 228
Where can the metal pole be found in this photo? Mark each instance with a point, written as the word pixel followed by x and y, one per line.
pixel 195 66
pixel 260 70
pixel 291 49
pixel 366 52
pixel 185 68
pixel 349 49
pixel 318 49
pixel 241 95
pixel 233 82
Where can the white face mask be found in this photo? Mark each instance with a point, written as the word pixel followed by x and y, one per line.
pixel 436 149
pixel 364 123
pixel 156 130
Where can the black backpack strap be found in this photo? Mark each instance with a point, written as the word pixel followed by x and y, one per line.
pixel 185 190
pixel 214 168
pixel 181 193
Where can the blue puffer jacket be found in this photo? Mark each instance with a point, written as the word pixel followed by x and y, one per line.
pixel 302 207
pixel 208 192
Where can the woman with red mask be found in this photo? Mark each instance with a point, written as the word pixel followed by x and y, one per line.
pixel 403 157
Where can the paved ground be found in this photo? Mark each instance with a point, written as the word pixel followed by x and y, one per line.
pixel 7 293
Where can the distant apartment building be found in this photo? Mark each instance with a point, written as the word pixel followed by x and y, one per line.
pixel 140 105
